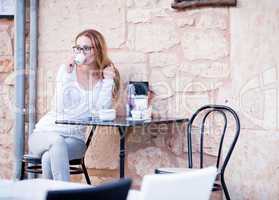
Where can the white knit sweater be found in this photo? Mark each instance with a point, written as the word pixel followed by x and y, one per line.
pixel 73 102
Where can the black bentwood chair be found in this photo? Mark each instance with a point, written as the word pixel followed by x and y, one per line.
pixel 31 164
pixel 110 191
pixel 204 112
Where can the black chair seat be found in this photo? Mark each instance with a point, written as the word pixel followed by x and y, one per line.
pixel 75 162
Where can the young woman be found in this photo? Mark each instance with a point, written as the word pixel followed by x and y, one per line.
pixel 85 85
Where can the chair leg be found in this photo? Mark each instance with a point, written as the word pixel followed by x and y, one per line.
pixel 22 170
pixel 86 174
pixel 224 186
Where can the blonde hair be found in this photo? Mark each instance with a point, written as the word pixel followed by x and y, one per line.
pixel 101 57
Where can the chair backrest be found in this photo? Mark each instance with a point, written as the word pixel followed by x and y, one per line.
pixel 195 184
pixel 109 191
pixel 205 111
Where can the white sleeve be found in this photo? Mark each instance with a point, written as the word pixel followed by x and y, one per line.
pixel 57 101
pixel 105 96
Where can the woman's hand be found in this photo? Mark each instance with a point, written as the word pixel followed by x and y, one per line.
pixel 109 72
pixel 70 64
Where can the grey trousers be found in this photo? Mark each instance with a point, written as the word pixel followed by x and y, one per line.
pixel 56 151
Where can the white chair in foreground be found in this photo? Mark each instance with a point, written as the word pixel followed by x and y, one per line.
pixel 196 185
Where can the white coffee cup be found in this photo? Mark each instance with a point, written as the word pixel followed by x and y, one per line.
pixel 79 58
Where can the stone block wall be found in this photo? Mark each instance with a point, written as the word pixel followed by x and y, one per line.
pixel 6 96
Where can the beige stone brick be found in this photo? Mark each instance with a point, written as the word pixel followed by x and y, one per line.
pixel 49 62
pixel 6 166
pixel 153 4
pixel 7 138
pixel 211 18
pixel 134 137
pixel 140 136
pixel 168 64
pixel 130 42
pixel 144 161
pixel 144 3
pixel 103 152
pixel 183 162
pixel 186 21
pixel 255 67
pixel 170 107
pixel 138 16
pixel 6 154
pixel 256 103
pixel 186 83
pixel 127 57
pixel 130 3
pixel 133 72
pixel 159 141
pixel 183 109
pixel 75 17
pixel 260 162
pixel 97 180
pixel 10 79
pixel 207 44
pixel 5 43
pixel 216 70
pixel 161 84
pixel 176 138
pixel 162 59
pixel 6 64
pixel 183 83
pixel 6 126
pixel 155 37
pixel 174 106
pixel 160 13
pixel 193 101
pixel 8 102
pixel 170 71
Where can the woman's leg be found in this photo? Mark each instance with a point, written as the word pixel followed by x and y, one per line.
pixel 39 142
pixel 76 148
pixel 63 150
pixel 59 151
pixel 46 166
pixel 52 148
pixel 59 160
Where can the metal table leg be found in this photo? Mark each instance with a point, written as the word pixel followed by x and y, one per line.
pixel 122 132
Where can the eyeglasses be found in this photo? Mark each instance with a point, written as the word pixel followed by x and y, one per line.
pixel 85 49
